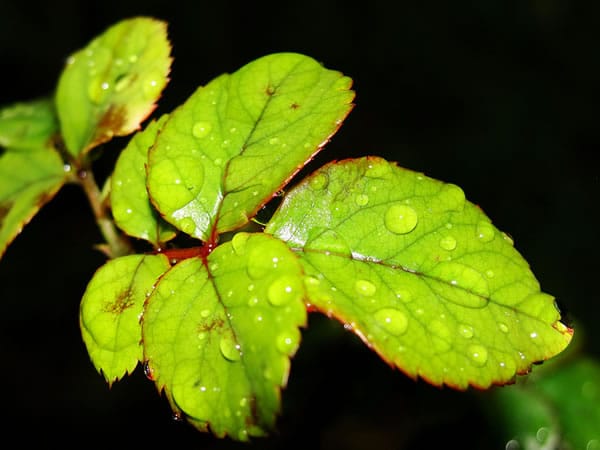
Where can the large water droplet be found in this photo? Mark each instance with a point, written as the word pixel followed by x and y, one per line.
pixel 365 287
pixel 392 320
pixel 238 242
pixel 485 232
pixel 400 219
pixel 319 181
pixel 284 290
pixel 448 243
pixel 288 342
pixel 478 355
pixel 201 129
pixel 230 349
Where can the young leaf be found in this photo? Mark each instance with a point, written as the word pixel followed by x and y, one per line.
pixel 129 199
pixel 28 125
pixel 109 87
pixel 227 150
pixel 218 334
pixel 111 309
pixel 419 273
pixel 28 180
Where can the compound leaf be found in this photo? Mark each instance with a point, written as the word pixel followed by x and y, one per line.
pixel 28 125
pixel 419 273
pixel 109 87
pixel 218 335
pixel 228 149
pixel 111 310
pixel 129 199
pixel 28 180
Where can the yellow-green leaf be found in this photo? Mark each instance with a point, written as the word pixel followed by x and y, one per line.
pixel 109 87
pixel 227 150
pixel 419 273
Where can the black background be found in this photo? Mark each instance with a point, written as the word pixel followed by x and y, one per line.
pixel 499 97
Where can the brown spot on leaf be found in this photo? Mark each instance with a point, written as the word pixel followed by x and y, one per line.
pixel 294 105
pixel 5 208
pixel 210 325
pixel 270 90
pixel 121 303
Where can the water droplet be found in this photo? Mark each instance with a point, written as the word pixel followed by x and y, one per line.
pixel 187 225
pixel 478 354
pixel 593 444
pixel 465 331
pixel 451 198
pixel 287 343
pixel 361 199
pixel 489 273
pixel 533 335
pixel 148 371
pixel 392 320
pixel 238 242
pixel 205 313
pixel 229 349
pixel 243 435
pixel 378 168
pixel 485 232
pixel 403 295
pixel 400 219
pixel 284 290
pixel 263 259
pixel 274 141
pixel 153 85
pixel 508 238
pixel 319 181
pixel 67 167
pixel 177 416
pixel 201 129
pixel 503 327
pixel 513 444
pixel 448 243
pixel 98 90
pixel 365 287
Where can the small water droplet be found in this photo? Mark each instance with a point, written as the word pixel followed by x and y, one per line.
pixel 201 129
pixel 319 181
pixel 177 416
pixel 485 232
pixel 67 168
pixel 243 435
pixel 238 242
pixel 533 335
pixel 403 295
pixel 365 287
pixel 284 290
pixel 361 199
pixel 153 85
pixel 97 90
pixel 400 219
pixel 205 313
pixel 274 141
pixel 229 349
pixel 451 197
pixel 187 225
pixel 503 327
pixel 287 343
pixel 508 238
pixel 465 331
pixel 478 355
pixel 392 320
pixel 448 243
pixel 489 273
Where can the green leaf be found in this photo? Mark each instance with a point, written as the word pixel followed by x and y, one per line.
pixel 28 125
pixel 130 203
pixel 228 149
pixel 109 87
pixel 558 409
pixel 218 335
pixel 28 180
pixel 419 273
pixel 111 310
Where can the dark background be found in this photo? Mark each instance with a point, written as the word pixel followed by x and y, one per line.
pixel 499 97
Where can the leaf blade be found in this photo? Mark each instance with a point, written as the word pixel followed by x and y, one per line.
pixel 419 273
pixel 227 150
pixel 109 87
pixel 111 309
pixel 215 340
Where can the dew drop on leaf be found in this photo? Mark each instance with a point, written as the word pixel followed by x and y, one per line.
pixel 238 243
pixel 448 243
pixel 361 199
pixel 465 331
pixel 188 225
pixel 485 232
pixel 287 343
pixel 229 349
pixel 404 295
pixel 365 287
pixel 400 219
pixel 153 85
pixel 452 197
pixel 478 355
pixel 392 320
pixel 284 290
pixel 503 327
pixel 319 181
pixel 201 129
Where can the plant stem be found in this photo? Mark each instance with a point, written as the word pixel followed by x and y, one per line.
pixel 116 243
